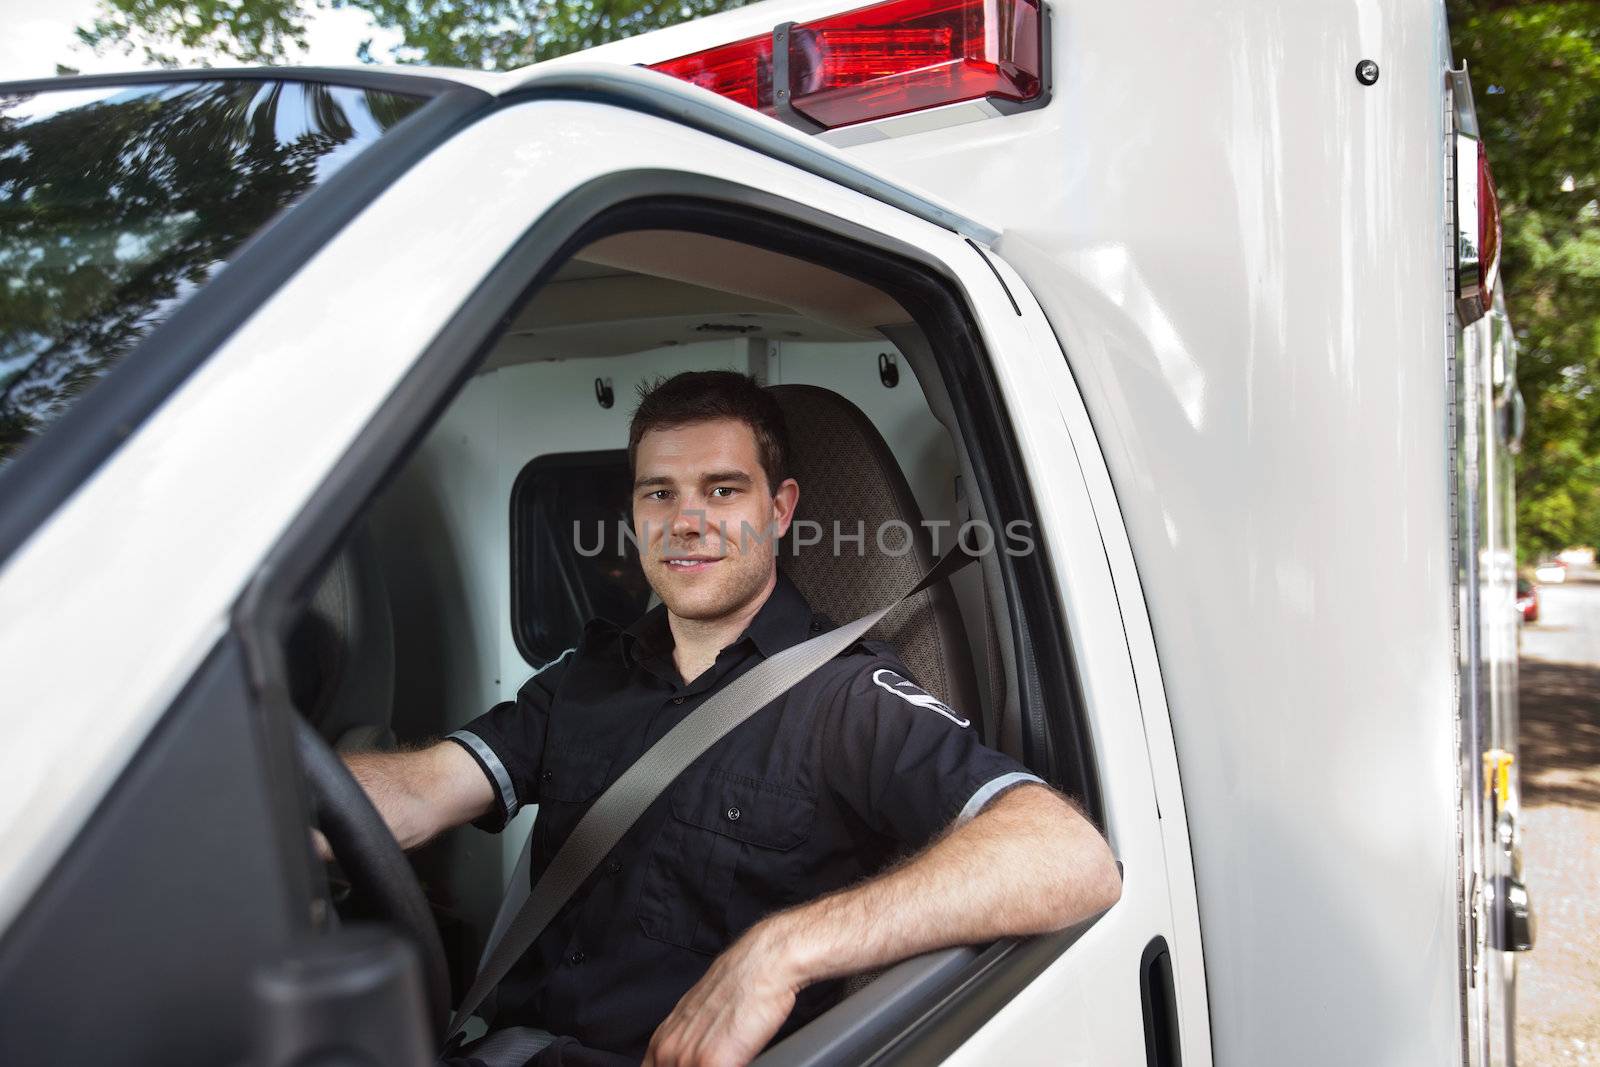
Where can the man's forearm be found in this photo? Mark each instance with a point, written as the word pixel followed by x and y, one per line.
pixel 421 794
pixel 1028 864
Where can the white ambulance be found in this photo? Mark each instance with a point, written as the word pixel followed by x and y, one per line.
pixel 307 373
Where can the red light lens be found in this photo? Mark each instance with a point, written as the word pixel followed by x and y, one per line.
pixel 900 56
pixel 1488 230
pixel 741 71
pixel 907 55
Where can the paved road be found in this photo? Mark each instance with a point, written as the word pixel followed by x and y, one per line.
pixel 1568 630
pixel 1559 679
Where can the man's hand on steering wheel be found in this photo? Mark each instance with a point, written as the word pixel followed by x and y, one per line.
pixel 372 860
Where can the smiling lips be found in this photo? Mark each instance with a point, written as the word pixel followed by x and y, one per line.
pixel 690 564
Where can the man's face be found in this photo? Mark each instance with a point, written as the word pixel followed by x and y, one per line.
pixel 706 522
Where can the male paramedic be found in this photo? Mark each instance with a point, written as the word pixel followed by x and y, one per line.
pixel 852 823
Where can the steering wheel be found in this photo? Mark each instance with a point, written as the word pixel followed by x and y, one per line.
pixel 372 860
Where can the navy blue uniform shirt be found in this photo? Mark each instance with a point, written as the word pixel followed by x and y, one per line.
pixel 852 767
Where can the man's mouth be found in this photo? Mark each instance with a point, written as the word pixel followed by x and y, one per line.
pixel 690 564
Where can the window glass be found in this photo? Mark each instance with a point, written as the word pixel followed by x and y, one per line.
pixel 571 557
pixel 118 204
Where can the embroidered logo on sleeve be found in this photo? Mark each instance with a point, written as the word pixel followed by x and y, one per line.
pixel 891 682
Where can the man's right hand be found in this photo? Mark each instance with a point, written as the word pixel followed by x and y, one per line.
pixel 423 793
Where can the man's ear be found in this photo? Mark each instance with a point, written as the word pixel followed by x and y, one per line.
pixel 784 501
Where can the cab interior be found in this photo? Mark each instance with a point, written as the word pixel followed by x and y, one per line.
pixel 472 567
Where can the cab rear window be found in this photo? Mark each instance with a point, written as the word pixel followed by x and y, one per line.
pixel 571 556
pixel 118 204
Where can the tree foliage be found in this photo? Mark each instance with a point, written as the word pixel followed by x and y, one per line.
pixel 482 34
pixel 251 31
pixel 1535 71
pixel 1535 67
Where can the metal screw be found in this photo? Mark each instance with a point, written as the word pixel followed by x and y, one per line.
pixel 1366 72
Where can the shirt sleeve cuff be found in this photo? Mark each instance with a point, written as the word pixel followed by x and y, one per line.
pixel 991 789
pixel 505 793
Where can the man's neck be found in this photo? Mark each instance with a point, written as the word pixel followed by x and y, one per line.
pixel 696 642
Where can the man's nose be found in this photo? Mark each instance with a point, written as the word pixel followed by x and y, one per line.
pixel 689 521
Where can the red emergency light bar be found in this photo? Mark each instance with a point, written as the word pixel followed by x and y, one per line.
pixel 741 71
pixel 888 59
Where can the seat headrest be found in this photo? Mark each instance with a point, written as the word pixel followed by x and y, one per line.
pixel 850 482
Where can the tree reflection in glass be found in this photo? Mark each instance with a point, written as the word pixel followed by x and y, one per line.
pixel 119 204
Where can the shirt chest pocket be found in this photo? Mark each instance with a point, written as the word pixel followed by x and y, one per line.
pixel 570 780
pixel 729 854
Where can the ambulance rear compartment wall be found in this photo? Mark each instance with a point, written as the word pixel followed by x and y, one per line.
pixel 443 532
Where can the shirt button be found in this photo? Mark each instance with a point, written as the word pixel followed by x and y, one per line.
pixel 613 867
pixel 547 776
pixel 677 700
pixel 733 814
pixel 575 958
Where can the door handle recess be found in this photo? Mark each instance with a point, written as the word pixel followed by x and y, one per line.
pixel 1161 1047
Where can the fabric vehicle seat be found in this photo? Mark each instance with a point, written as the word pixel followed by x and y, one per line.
pixel 849 477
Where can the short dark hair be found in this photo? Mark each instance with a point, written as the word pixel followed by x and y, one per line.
pixel 704 395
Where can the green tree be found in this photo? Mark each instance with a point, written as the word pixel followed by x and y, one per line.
pixel 483 34
pixel 1536 78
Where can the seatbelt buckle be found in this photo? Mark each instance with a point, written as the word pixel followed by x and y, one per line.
pixel 453 1043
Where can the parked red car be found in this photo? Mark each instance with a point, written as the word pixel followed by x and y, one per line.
pixel 1528 600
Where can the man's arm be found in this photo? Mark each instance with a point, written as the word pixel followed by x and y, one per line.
pixel 423 793
pixel 1029 863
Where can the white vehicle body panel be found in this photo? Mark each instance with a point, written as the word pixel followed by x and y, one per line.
pixel 207 485
pixel 1247 270
pixel 1265 357
pixel 1077 502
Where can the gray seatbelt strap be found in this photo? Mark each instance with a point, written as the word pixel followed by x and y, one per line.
pixel 620 806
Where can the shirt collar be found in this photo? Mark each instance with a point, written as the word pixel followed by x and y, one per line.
pixel 783 620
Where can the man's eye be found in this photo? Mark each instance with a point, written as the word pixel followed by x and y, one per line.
pixel 724 490
pixel 657 494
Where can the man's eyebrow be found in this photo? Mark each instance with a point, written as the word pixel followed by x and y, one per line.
pixel 737 477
